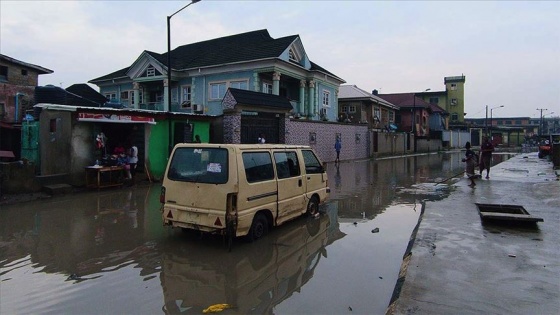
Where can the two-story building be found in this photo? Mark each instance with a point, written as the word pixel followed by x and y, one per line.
pixel 18 80
pixel 359 106
pixel 225 90
pixel 202 72
pixel 451 100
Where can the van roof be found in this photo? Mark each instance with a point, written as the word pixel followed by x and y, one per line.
pixel 242 146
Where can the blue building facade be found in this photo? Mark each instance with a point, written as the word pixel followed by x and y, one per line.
pixel 201 73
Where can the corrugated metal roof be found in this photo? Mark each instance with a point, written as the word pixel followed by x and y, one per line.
pixel 354 92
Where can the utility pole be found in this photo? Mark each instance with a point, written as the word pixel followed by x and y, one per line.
pixel 541 122
pixel 486 121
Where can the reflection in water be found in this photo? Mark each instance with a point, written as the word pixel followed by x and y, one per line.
pixel 75 254
pixel 253 278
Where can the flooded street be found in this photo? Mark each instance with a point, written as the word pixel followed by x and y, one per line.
pixel 107 251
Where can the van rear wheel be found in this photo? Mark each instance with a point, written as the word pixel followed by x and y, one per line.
pixel 259 227
pixel 313 206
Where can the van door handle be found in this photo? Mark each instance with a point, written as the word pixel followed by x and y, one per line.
pixel 308 177
pixel 299 183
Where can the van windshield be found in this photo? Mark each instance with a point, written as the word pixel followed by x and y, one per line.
pixel 200 165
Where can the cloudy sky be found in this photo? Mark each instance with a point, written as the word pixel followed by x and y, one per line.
pixel 509 51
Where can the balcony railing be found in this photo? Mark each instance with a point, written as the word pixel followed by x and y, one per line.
pixel 152 106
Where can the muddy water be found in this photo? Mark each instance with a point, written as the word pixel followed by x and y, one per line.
pixel 107 251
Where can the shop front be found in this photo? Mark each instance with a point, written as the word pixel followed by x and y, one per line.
pixel 73 139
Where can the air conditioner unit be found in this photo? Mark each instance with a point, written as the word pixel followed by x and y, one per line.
pixel 197 108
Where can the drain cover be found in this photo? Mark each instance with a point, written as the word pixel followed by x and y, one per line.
pixel 499 212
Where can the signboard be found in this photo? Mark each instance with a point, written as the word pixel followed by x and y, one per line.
pixel 127 119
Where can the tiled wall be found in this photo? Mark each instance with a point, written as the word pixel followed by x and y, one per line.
pixel 354 138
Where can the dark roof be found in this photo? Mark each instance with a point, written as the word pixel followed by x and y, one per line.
pixel 114 75
pixel 404 100
pixel 87 95
pixel 248 46
pixel 39 69
pixel 245 97
pixel 436 109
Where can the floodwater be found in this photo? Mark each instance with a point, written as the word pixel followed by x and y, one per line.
pixel 106 252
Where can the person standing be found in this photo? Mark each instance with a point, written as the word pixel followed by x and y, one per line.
pixel 133 159
pixel 261 139
pixel 486 150
pixel 470 159
pixel 197 139
pixel 337 147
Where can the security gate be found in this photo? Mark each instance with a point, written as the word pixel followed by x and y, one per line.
pixel 255 123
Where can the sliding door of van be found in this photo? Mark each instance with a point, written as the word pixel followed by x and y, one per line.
pixel 291 189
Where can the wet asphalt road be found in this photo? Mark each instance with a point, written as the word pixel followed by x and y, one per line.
pixel 107 251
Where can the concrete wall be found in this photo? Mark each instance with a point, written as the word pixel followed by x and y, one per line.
pixel 17 177
pixel 428 145
pixel 55 141
pixel 455 139
pixel 391 143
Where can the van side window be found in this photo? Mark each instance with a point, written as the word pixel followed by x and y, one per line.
pixel 312 164
pixel 258 166
pixel 287 164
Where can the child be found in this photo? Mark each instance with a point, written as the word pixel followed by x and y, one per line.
pixel 470 159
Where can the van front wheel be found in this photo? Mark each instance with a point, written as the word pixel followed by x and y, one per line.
pixel 259 227
pixel 313 206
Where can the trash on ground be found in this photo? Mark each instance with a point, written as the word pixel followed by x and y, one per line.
pixel 216 308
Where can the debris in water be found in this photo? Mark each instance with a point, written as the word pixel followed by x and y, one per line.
pixel 355 223
pixel 216 308
pixel 73 277
pixel 376 230
pixel 512 255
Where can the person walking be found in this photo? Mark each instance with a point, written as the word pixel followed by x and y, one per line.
pixel 133 159
pixel 486 149
pixel 337 147
pixel 471 160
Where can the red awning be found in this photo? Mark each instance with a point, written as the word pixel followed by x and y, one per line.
pixel 114 118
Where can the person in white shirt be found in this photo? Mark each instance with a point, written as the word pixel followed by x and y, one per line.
pixel 133 159
pixel 261 139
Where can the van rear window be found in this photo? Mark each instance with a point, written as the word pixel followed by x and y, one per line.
pixel 199 165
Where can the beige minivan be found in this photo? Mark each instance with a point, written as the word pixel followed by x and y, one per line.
pixel 241 189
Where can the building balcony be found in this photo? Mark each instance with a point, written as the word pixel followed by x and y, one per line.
pixel 158 106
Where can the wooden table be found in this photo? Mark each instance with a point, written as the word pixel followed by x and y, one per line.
pixel 104 176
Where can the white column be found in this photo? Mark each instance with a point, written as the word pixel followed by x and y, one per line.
pixel 136 88
pixel 301 109
pixel 311 107
pixel 166 91
pixel 276 83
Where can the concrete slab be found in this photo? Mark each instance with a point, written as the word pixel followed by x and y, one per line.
pixel 458 265
pixel 57 189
